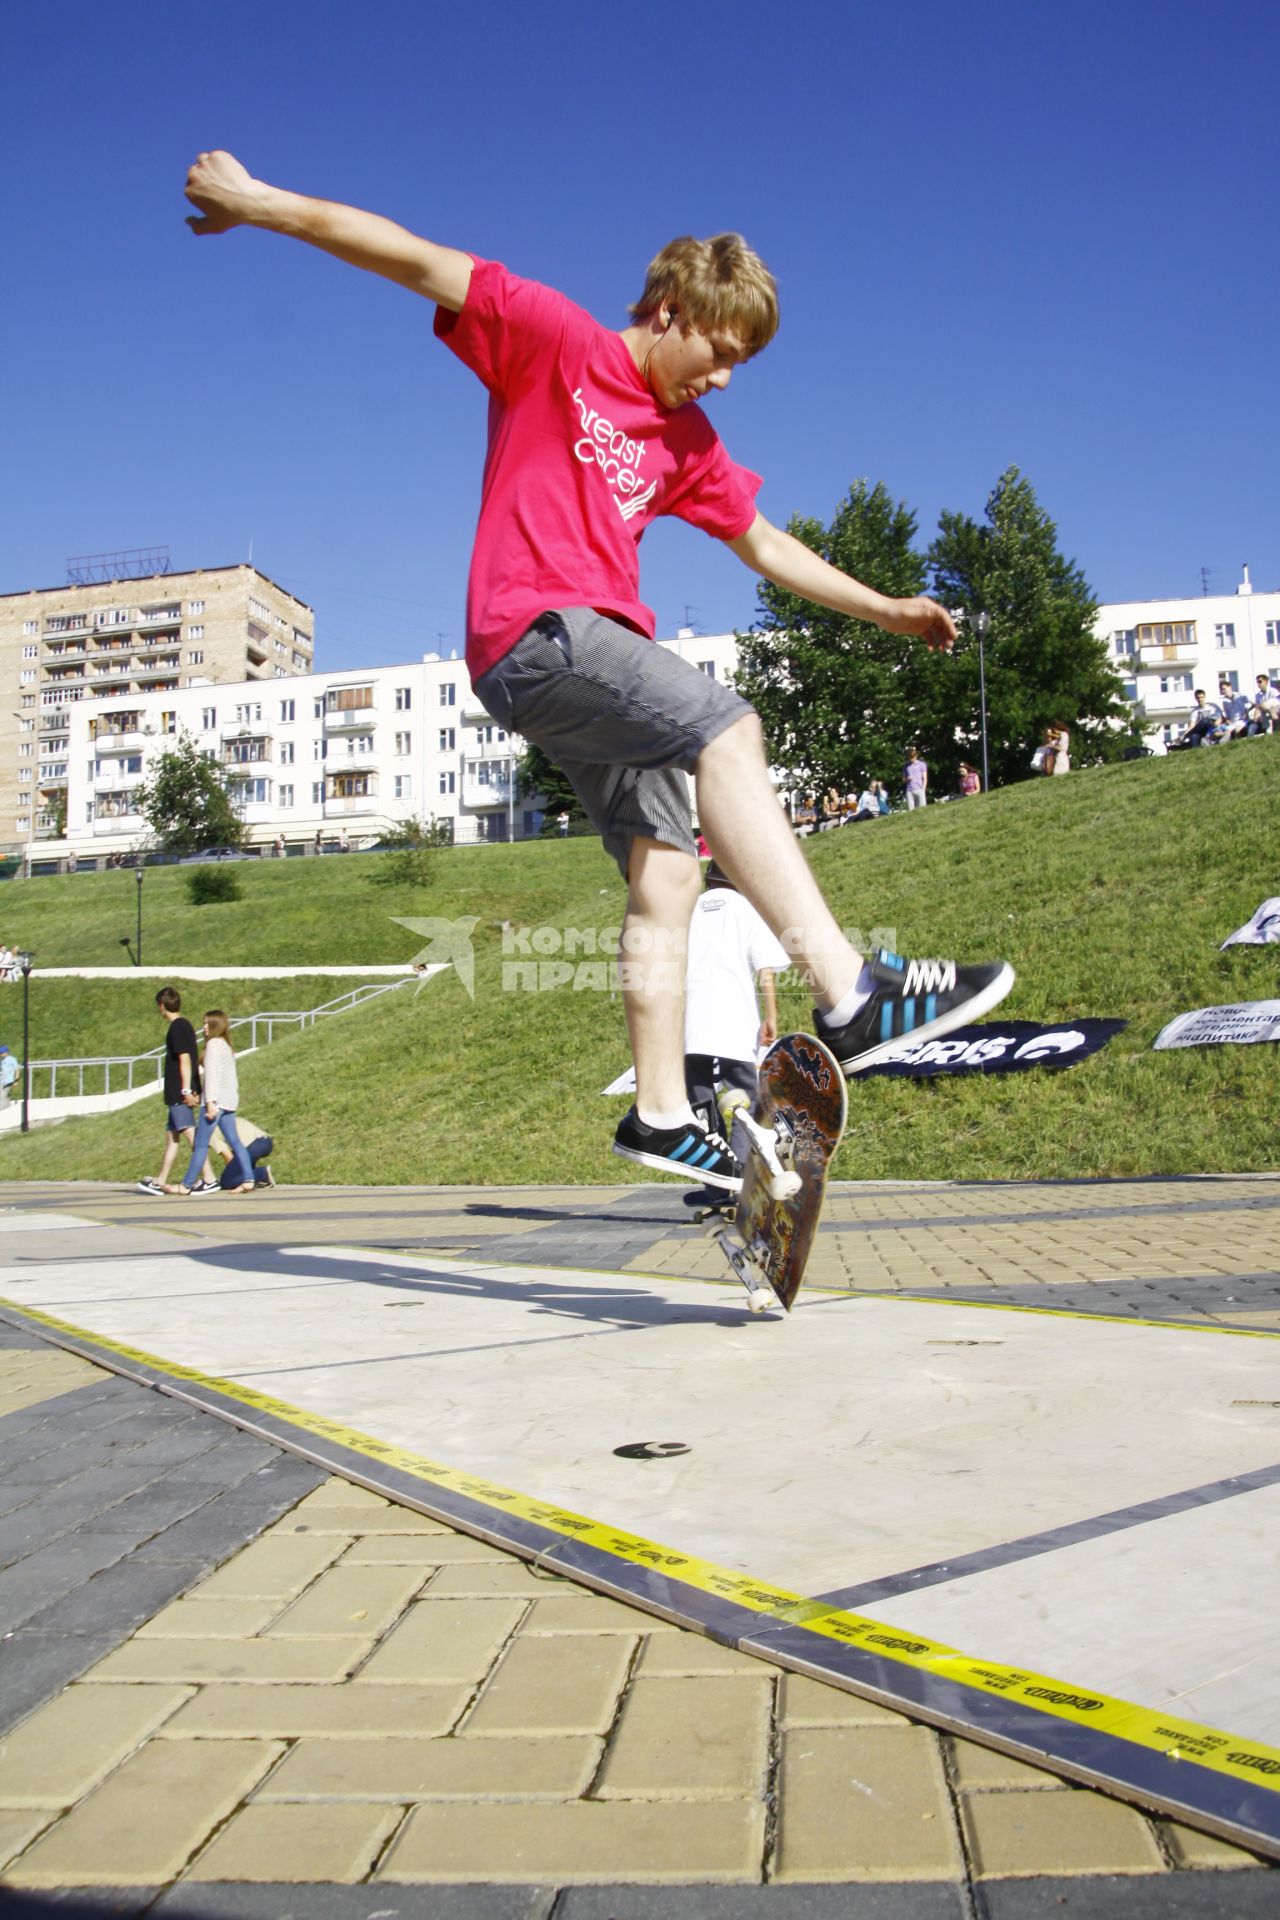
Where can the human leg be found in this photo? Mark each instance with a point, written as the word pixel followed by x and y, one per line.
pixel 239 1157
pixel 197 1171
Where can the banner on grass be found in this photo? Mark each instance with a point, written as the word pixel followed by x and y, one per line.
pixel 1261 931
pixel 1006 1046
pixel 1242 1025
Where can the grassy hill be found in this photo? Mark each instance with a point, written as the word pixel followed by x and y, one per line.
pixel 1109 891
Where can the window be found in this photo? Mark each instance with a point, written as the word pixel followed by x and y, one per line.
pixel 257 606
pixel 288 710
pixel 348 699
pixel 1168 633
pixel 27 676
pixel 404 699
pixel 250 792
pixel 286 753
pixel 208 719
pixel 446 739
pixel 31 653
pixel 1232 679
pixel 403 786
pixel 248 713
pixel 24 773
pixel 29 700
pixel 447 783
pixel 352 786
pixel 195 606
pixel 317 709
pixel 708 667
pixel 319 749
pixel 1124 643
pixel 284 796
pixel 1273 633
pixel 30 626
pixel 24 751
pixel 195 633
pixel 1130 689
pixel 195 659
pixel 1176 683
pixel 448 696
pixel 404 743
pixel 302 639
pixel 299 661
pixel 317 793
pixel 1224 636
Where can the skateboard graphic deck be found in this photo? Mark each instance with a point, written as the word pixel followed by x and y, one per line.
pixel 792 1129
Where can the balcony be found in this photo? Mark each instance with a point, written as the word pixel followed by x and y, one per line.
pixel 350 720
pixel 117 822
pixel 339 808
pixel 244 730
pixel 154 619
pixel 484 793
pixel 246 754
pixel 1153 659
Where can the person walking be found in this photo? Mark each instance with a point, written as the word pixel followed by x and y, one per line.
pixel 592 435
pixel 181 1090
pixel 8 1076
pixel 221 1098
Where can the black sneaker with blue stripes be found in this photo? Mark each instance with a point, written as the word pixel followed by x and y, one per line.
pixel 691 1150
pixel 913 1000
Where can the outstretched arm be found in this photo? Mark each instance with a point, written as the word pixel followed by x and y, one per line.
pixel 228 196
pixel 786 561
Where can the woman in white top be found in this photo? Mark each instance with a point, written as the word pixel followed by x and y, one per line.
pixel 218 1109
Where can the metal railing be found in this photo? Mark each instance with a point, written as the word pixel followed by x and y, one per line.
pixel 122 1073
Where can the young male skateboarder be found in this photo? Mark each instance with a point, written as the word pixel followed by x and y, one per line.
pixel 592 435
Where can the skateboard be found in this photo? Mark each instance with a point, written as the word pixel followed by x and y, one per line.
pixel 790 1133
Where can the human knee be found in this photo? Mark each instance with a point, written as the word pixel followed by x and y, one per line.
pixel 742 742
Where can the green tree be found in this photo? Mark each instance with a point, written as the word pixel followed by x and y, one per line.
pixel 1044 663
pixel 411 846
pixel 185 801
pixel 538 773
pixel 839 699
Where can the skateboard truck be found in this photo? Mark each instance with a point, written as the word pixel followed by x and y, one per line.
pixel 783 1182
pixel 760 1295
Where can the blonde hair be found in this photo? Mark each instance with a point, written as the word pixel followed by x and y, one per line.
pixel 218 1024
pixel 713 283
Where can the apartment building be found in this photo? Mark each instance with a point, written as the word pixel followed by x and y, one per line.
pixel 336 754
pixel 76 649
pixel 1165 649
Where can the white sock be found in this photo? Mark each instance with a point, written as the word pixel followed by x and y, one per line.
pixel 853 1001
pixel 682 1117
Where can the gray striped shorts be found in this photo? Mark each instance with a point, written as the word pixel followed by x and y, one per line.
pixel 623 718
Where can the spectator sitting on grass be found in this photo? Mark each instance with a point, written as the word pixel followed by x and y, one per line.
pixel 1264 714
pixel 1205 724
pixel 1235 710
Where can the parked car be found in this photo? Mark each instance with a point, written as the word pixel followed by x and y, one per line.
pixel 207 854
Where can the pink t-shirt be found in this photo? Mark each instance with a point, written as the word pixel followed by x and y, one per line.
pixel 581 458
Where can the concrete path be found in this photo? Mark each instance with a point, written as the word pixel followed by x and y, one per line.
pixel 225 1669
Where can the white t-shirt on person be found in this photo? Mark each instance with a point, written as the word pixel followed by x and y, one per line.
pixel 729 944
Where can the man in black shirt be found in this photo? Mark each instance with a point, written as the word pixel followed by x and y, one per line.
pixel 181 1089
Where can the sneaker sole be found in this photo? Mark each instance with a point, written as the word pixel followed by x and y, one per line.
pixel 695 1176
pixel 960 1016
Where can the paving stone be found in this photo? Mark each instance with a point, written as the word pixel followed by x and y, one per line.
pixel 118 1599
pixel 149 1818
pixel 346 1711
pixel 356 1519
pixel 1191 1848
pixel 638 1841
pixel 349 1600
pixel 272 1567
pixel 976 1769
pixel 550 1767
pixel 690 1739
pixel 482 1577
pixel 335 1492
pixel 411 1550
pixel 1030 1832
pixel 298 1843
pixel 864 1803
pixel 19 1827
pixel 60 1753
pixel 37 1666
pixel 310 1901
pixel 220 1527
pixel 803 1702
pixel 563 1684
pixel 44 1576
pixel 231 1618
pixel 1169 1896
pixel 918 1900
pixel 261 1662
pixel 582 1612
pixel 444 1640
pixel 678 1652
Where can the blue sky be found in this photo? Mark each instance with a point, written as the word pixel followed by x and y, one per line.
pixel 1032 234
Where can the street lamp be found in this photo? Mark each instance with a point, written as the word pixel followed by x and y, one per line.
pixel 138 877
pixel 981 621
pixel 25 961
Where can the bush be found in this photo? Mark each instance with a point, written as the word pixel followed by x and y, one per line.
pixel 212 883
